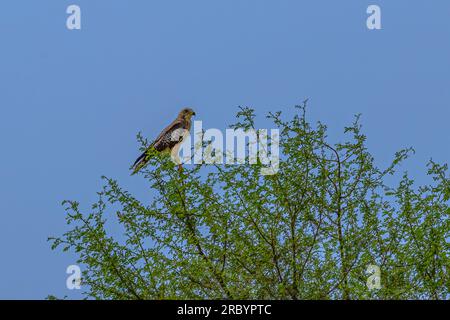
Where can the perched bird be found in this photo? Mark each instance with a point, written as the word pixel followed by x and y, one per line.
pixel 169 140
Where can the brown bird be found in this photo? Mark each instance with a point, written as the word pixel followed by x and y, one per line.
pixel 169 140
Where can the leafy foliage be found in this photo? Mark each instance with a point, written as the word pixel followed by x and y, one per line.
pixel 307 232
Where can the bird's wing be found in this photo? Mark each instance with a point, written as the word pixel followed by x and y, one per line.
pixel 162 142
pixel 165 139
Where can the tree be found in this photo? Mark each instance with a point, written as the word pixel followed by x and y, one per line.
pixel 307 232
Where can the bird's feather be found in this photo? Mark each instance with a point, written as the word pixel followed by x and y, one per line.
pixel 163 142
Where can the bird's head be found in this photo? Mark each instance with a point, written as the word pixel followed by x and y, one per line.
pixel 186 113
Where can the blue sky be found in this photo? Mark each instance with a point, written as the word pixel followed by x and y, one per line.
pixel 72 102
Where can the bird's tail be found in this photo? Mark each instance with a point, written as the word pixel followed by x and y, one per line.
pixel 139 163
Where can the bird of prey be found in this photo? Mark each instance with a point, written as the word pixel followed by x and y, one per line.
pixel 169 140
